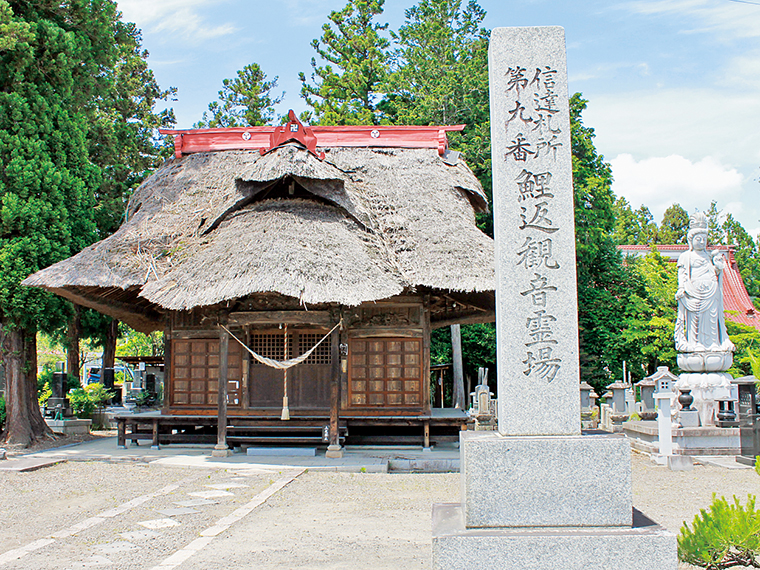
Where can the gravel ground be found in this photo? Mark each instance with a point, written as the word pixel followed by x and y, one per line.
pixel 319 520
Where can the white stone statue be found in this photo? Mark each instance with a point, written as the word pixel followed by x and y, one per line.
pixel 704 350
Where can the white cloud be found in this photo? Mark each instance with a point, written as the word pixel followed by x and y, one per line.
pixel 730 20
pixel 693 123
pixel 659 182
pixel 179 17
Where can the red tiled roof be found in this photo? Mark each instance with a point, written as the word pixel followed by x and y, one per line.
pixel 736 302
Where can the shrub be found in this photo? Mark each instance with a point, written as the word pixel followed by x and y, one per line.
pixel 722 536
pixel 44 395
pixel 2 412
pixel 757 464
pixel 81 404
pixel 84 401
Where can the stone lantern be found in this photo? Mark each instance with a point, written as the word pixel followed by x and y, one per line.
pixel 661 381
pixel 618 396
pixel 586 403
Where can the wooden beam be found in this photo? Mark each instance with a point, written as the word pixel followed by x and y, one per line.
pixel 334 450
pixel 468 320
pixel 321 318
pixel 221 449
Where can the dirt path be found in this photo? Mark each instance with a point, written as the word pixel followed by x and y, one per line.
pixel 124 516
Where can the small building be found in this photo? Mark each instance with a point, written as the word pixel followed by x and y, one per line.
pixel 253 244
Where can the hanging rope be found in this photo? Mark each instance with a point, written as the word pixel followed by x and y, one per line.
pixel 282 364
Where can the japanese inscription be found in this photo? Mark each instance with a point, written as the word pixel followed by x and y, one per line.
pixel 533 225
pixel 530 124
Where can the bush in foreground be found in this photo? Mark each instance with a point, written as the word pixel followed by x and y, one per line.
pixel 722 536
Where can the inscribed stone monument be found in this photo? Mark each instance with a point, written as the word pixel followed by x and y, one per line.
pixel 536 310
pixel 538 494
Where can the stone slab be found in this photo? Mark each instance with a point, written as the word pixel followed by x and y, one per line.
pixel 211 494
pixel 178 511
pixel 26 464
pixel 159 523
pixel 559 481
pixel 70 427
pixel 196 503
pixel 642 545
pixel 534 232
pixel 282 451
pixel 680 463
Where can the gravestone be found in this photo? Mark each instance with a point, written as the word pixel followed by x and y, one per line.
pixel 538 494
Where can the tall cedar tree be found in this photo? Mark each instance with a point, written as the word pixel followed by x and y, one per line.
pixel 347 93
pixel 604 283
pixel 440 77
pixel 245 101
pixel 63 98
pixel 50 68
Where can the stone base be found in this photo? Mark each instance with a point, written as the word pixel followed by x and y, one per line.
pixel 221 452
pixel 686 441
pixel 282 451
pixel 643 545
pixel 680 463
pixel 706 388
pixel 688 418
pixel 334 452
pixel 545 481
pixel 69 427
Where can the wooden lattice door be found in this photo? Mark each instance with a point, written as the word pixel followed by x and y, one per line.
pixel 385 372
pixel 195 373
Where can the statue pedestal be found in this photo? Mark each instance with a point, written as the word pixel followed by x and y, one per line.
pixel 706 388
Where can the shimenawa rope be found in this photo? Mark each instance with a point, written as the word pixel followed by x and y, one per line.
pixel 281 364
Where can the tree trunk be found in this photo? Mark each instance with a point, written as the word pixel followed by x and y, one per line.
pixel 458 396
pixel 24 423
pixel 72 340
pixel 109 348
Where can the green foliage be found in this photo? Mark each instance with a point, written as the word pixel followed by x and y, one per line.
pixel 245 100
pixel 605 284
pixel 746 253
pixel 722 536
pixel 133 343
pixel 674 226
pixel 345 89
pixel 757 460
pixel 2 402
pixel 81 404
pixel 440 77
pixel 745 339
pixel 44 395
pixel 84 401
pixel 45 379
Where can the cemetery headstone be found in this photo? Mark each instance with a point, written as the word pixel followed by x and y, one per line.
pixel 538 472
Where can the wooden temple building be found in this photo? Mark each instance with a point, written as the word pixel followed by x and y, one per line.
pixel 262 241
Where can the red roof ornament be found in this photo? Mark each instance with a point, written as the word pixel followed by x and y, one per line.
pixel 294 130
pixel 267 138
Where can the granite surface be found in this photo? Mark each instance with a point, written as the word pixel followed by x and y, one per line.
pixel 536 300
pixel 558 481
pixel 644 545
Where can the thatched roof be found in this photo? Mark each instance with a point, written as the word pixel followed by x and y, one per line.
pixel 362 225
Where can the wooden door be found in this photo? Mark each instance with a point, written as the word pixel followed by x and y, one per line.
pixel 195 373
pixel 385 372
pixel 308 382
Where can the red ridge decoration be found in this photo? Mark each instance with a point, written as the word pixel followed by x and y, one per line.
pixel 294 131
pixel 188 141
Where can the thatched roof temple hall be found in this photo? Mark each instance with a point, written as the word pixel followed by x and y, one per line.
pixel 254 244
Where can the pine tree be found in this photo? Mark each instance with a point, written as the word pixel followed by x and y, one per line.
pixel 345 90
pixel 244 101
pixel 674 226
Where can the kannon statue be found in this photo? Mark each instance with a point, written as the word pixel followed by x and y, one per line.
pixel 700 326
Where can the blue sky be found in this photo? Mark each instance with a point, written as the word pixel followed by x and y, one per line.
pixel 673 85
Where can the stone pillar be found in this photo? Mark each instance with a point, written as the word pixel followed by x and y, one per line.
pixel 538 471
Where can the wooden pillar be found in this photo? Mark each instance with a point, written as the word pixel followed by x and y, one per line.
pixel 334 450
pixel 457 393
pixel 426 436
pixel 155 434
pixel 221 449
